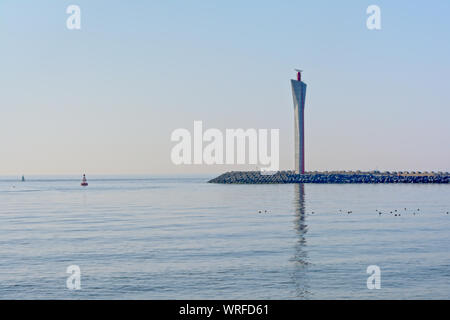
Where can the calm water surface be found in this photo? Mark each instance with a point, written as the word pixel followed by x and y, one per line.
pixel 182 238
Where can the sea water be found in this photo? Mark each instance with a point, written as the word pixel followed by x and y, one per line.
pixel 167 237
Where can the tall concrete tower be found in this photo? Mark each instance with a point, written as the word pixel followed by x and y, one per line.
pixel 299 94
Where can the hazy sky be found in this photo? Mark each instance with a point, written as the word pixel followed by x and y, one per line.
pixel 105 99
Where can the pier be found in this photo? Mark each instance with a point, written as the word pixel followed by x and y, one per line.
pixel 255 177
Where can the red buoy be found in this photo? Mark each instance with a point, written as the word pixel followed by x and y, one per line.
pixel 84 182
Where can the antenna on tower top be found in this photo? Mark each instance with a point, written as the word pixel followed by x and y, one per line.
pixel 299 74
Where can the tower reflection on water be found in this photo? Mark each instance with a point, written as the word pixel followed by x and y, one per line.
pixel 300 258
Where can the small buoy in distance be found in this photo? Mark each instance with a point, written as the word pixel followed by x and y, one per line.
pixel 84 182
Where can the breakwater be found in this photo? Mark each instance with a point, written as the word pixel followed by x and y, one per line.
pixel 255 177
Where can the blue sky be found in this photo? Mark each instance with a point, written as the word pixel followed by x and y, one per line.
pixel 105 99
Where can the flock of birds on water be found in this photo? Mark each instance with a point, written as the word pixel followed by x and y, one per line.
pixel 395 212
